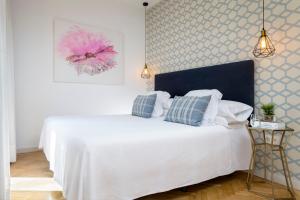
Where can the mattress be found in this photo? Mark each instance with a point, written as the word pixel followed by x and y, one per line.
pixel 124 157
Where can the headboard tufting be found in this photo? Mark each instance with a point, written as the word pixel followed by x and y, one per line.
pixel 234 80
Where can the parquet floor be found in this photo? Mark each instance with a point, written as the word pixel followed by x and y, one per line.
pixel 231 187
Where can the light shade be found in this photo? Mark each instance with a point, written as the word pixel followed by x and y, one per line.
pixel 145 73
pixel 264 47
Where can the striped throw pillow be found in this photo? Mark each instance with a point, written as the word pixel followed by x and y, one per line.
pixel 143 105
pixel 188 110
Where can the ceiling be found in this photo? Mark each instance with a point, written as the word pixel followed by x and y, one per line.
pixel 140 2
pixel 153 2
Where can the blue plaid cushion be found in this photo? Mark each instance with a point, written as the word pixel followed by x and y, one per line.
pixel 188 110
pixel 143 105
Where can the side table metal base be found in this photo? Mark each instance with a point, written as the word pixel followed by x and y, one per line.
pixel 271 148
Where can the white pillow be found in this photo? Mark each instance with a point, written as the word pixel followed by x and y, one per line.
pixel 223 122
pixel 212 108
pixel 201 93
pixel 166 109
pixel 234 111
pixel 161 102
pixel 169 103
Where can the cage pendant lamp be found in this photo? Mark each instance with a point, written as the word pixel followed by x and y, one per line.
pixel 264 47
pixel 145 73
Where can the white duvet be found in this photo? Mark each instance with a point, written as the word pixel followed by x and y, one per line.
pixel 125 157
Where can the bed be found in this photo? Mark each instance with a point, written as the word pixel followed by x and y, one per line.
pixel 125 157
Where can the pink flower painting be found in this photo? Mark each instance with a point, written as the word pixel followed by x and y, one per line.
pixel 88 52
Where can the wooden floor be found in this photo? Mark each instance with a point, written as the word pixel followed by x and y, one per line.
pixel 231 187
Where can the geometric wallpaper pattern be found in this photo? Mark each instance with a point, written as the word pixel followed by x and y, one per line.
pixel 184 34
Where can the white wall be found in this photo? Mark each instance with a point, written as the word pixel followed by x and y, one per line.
pixel 37 96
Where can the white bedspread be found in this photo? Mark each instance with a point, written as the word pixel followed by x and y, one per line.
pixel 126 157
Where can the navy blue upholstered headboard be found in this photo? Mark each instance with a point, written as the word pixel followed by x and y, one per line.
pixel 234 80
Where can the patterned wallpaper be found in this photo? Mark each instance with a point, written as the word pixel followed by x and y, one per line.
pixel 184 34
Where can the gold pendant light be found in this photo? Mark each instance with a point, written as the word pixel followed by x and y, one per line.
pixel 264 47
pixel 145 73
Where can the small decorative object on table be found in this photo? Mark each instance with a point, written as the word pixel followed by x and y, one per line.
pixel 268 110
pixel 274 140
pixel 254 120
pixel 272 125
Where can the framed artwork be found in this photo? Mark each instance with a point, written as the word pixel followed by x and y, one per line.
pixel 87 54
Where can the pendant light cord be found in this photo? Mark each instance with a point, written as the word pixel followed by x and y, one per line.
pixel 263 14
pixel 145 33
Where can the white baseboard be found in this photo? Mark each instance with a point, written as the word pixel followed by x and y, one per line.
pixel 28 150
pixel 13 153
